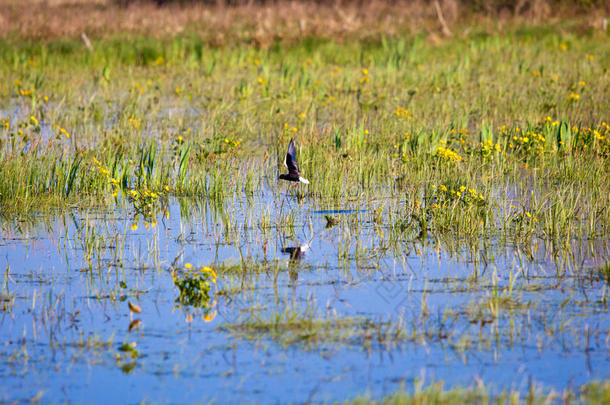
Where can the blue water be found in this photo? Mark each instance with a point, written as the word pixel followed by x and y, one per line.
pixel 62 298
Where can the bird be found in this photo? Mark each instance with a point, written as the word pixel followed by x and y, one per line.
pixel 330 221
pixel 296 252
pixel 290 161
pixel 133 308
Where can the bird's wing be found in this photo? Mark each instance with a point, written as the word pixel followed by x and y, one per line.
pixel 290 161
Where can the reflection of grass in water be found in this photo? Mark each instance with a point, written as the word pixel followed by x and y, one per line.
pixel 604 273
pixel 496 314
pixel 290 326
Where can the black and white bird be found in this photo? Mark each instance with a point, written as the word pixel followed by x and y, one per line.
pixel 290 161
pixel 296 252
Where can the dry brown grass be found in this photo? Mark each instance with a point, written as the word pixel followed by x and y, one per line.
pixel 257 23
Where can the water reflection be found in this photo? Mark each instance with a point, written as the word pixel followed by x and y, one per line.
pixel 488 308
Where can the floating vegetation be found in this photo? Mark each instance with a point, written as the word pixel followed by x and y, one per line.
pixel 195 290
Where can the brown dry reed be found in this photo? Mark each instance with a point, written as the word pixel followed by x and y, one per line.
pixel 264 22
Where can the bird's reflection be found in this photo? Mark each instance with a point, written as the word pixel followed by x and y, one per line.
pixel 296 253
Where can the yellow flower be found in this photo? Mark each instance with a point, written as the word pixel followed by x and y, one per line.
pixel 210 271
pixel 563 47
pixel 402 112
pixel 188 265
pixel 209 317
pixel 573 96
pixel 134 122
pixel 134 227
pixel 448 154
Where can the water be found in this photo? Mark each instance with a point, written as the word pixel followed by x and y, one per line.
pixel 66 312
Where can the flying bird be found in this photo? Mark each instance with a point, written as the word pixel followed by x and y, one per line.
pixel 290 161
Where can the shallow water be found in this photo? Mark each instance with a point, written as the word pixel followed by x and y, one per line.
pixel 272 252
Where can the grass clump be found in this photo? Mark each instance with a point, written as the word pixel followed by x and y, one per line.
pixel 591 393
pixel 291 326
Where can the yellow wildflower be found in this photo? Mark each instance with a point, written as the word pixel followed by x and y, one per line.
pixel 448 154
pixel 209 317
pixel 210 271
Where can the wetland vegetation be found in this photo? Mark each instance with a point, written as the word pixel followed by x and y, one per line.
pixel 453 244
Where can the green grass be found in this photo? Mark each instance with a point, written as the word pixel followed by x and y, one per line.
pixel 500 137
pixel 484 135
pixel 592 393
pixel 463 150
